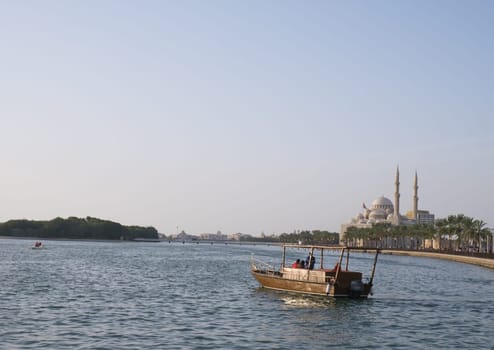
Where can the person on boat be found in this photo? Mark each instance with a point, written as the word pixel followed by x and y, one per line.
pixel 296 264
pixel 310 261
pixel 302 264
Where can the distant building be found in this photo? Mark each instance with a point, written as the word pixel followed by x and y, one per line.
pixel 218 236
pixel 423 217
pixel 182 236
pixel 382 210
pixel 235 236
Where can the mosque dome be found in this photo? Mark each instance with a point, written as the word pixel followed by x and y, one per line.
pixel 378 214
pixel 382 203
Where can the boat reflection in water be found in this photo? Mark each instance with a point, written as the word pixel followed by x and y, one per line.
pixel 335 282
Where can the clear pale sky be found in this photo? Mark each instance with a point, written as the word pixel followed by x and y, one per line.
pixel 244 116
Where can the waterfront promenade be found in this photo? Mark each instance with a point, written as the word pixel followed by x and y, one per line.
pixel 484 262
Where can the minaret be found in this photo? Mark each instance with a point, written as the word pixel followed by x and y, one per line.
pixel 396 216
pixel 415 196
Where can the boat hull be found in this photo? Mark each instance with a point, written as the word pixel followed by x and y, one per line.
pixel 276 281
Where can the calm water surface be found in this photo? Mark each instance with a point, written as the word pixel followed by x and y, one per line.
pixel 87 295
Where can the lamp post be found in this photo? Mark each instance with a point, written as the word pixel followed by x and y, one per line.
pixel 489 247
pixel 480 243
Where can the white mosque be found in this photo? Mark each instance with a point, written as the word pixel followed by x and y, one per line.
pixel 382 210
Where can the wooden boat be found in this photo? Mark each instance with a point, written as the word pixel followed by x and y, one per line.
pixel 335 282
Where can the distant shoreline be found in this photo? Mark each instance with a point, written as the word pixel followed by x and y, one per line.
pixel 65 239
pixel 139 240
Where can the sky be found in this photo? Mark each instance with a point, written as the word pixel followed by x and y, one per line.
pixel 244 116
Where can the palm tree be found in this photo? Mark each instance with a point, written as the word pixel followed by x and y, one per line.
pixel 465 227
pixel 442 229
pixel 419 233
pixel 380 231
pixel 455 229
pixel 480 231
pixel 352 235
pixel 429 232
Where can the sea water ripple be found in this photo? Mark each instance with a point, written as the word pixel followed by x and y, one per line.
pixel 96 295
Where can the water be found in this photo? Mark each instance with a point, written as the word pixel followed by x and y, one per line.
pixel 88 295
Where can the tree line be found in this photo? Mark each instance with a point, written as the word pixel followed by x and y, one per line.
pixel 305 236
pixel 455 232
pixel 76 228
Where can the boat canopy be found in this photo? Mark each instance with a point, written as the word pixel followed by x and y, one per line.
pixel 341 249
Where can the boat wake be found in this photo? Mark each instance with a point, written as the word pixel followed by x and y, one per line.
pixel 307 301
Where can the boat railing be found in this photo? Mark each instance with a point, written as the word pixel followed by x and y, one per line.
pixel 262 266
